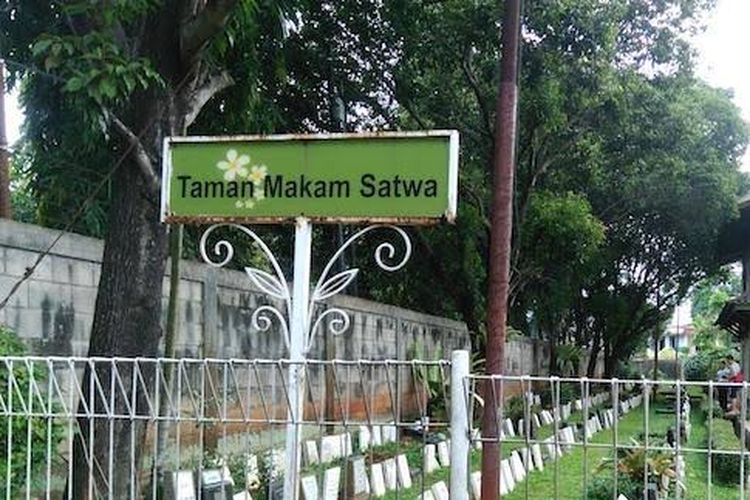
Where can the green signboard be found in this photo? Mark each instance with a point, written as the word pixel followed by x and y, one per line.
pixel 404 177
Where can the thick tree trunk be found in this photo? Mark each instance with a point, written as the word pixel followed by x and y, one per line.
pixel 127 323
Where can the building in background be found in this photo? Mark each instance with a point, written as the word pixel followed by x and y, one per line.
pixel 735 247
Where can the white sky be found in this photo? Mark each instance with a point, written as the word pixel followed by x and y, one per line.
pixel 723 61
pixel 723 52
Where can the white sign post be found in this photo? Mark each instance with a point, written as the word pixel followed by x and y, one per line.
pixel 207 180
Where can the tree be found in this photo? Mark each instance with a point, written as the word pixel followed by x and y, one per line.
pixel 104 79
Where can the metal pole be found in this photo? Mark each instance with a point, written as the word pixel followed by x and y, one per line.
pixel 460 446
pixel 504 159
pixel 298 329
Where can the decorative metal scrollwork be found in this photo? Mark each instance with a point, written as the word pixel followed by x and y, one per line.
pixel 275 285
pixel 386 257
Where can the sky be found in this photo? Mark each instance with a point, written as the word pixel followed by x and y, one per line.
pixel 723 50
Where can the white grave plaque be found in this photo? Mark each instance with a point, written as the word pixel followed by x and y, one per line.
pixel 377 481
pixel 516 467
pixel 364 438
pixel 330 448
pixel 476 485
pixel 310 488
pixel 183 485
pixel 390 474
pixel 359 483
pixel 443 454
pixel 536 454
pixel 331 486
pixel 404 474
pixel 440 491
pixel 429 460
pixel 311 452
pixel 377 436
pixel 507 476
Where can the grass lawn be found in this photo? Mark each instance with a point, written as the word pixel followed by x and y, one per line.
pixel 564 478
pixel 696 480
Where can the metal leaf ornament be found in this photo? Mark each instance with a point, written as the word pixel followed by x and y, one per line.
pixel 335 284
pixel 268 283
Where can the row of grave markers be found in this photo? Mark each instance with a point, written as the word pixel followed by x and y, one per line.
pixel 514 469
pixel 393 472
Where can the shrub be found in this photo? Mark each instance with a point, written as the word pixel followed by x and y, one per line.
pixel 726 468
pixel 602 487
pixel 22 443
pixel 699 367
pixel 515 409
pixel 568 392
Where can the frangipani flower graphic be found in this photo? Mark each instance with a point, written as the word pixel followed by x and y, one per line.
pixel 258 173
pixel 244 203
pixel 259 194
pixel 234 165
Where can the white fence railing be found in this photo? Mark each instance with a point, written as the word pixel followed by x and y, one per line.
pixel 187 429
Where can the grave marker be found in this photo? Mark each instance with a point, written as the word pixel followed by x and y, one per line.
pixel 404 474
pixel 358 483
pixel 330 448
pixel 443 454
pixel 309 488
pixel 516 467
pixel 331 483
pixel 311 452
pixel 182 485
pixel 506 475
pixel 440 491
pixel 377 481
pixel 364 438
pixel 390 474
pixel 476 485
pixel 536 454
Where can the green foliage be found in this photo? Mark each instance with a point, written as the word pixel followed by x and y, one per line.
pixel 726 468
pixel 628 371
pixel 515 409
pixel 633 463
pixel 602 487
pixel 699 367
pixel 568 357
pixel 708 298
pixel 24 438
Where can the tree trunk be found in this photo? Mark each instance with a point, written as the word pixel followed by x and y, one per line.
pixel 596 347
pixel 127 323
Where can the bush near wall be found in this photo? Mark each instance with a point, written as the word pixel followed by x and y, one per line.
pixel 14 430
pixel 726 468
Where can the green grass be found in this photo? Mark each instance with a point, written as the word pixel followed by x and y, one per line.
pixel 570 468
pixel 696 477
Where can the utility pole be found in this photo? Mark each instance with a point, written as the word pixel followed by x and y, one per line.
pixel 5 208
pixel 503 167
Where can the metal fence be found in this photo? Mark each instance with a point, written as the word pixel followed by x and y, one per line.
pixel 79 428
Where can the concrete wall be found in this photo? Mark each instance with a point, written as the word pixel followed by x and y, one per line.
pixel 53 310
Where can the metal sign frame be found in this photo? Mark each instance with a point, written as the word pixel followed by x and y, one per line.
pixel 448 216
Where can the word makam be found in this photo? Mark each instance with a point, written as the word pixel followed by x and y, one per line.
pixel 279 186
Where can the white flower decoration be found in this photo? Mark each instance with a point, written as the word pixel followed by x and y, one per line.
pixel 259 194
pixel 234 165
pixel 258 173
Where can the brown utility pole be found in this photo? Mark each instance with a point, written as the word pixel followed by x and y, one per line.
pixel 503 167
pixel 5 208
